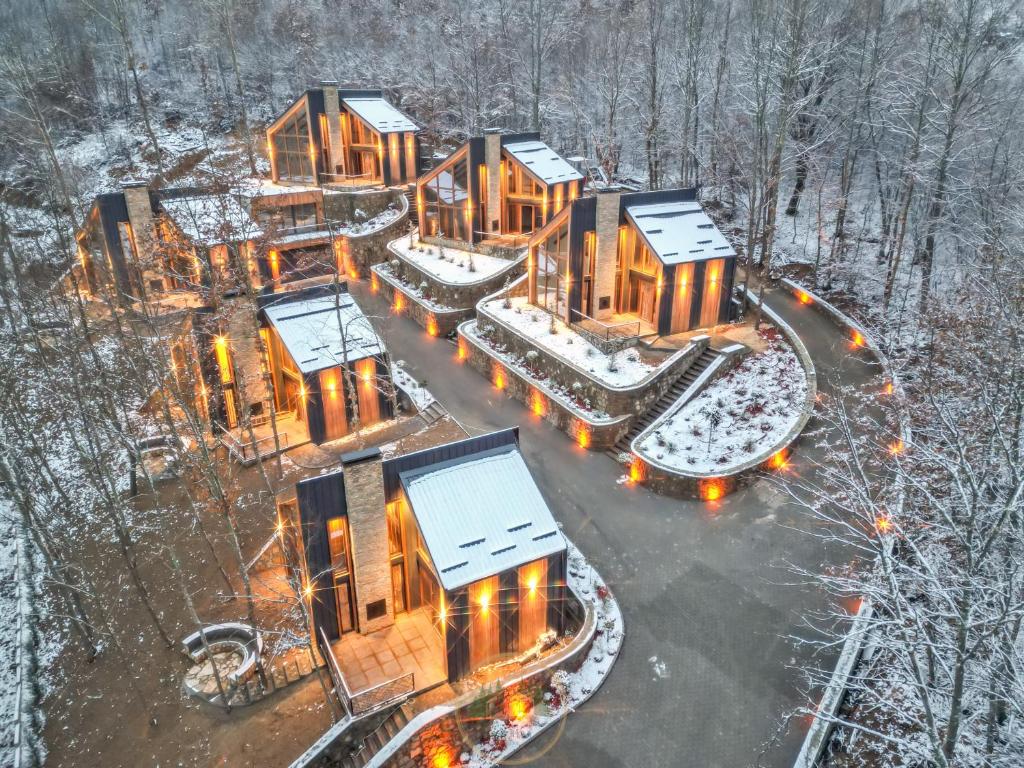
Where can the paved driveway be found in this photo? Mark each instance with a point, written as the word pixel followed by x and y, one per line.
pixel 706 676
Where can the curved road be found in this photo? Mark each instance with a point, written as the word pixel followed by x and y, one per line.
pixel 705 590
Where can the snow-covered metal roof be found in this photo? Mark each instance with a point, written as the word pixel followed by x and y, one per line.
pixel 380 115
pixel 481 515
pixel 543 162
pixel 679 232
pixel 211 219
pixel 312 332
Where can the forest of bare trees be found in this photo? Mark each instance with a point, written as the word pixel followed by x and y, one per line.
pixel 871 148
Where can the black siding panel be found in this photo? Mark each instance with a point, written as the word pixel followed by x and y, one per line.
pixel 699 268
pixel 316 108
pixel 321 498
pixel 113 211
pixel 668 297
pixel 474 159
pixel 556 592
pixel 314 409
pixel 457 634
pixel 582 219
pixel 393 467
pixel 384 375
pixel 727 280
pixel 508 611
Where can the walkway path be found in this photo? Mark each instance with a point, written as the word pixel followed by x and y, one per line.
pixel 706 674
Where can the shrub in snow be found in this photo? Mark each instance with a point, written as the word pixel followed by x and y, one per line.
pixel 613 363
pixel 576 387
pixel 590 352
pixel 625 457
pixel 395 263
pixel 633 357
pixel 659 438
pixel 499 729
pixel 472 265
pixel 423 285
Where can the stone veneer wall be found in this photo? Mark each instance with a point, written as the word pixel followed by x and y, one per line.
pixel 600 435
pixel 341 205
pixel 458 296
pixel 445 321
pixel 631 401
pixel 367 523
pixel 246 352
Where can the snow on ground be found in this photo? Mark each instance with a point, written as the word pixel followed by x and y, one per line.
pixel 739 416
pixel 449 265
pixel 420 396
pixel 371 225
pixel 9 635
pixel 621 369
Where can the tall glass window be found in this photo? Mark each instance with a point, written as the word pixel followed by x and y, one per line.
pixel 551 261
pixel 292 158
pixel 446 200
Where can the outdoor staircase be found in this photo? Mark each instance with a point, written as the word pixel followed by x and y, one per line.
pixel 410 195
pixel 433 412
pixel 380 736
pixel 697 367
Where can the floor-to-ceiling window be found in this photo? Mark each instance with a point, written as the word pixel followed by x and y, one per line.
pixel 550 262
pixel 642 276
pixel 292 157
pixel 397 554
pixel 711 304
pixel 524 200
pixel 446 200
pixel 337 542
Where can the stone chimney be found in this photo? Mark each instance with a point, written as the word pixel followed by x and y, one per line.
pixel 143 224
pixel 607 253
pixel 332 109
pixel 492 195
pixel 368 527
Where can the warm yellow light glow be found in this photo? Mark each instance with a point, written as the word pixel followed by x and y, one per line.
pixel 302 390
pixel 399 303
pixel 572 192
pixel 537 403
pixel 712 490
pixel 531 585
pixel 778 460
pixel 883 524
pixel 499 378
pixel 308 591
pixel 366 376
pixel 558 198
pixel 804 297
pixel 519 707
pixel 312 155
pixel 858 339
pixel 463 353
pixel 636 470
pixel 485 602
pixel 443 611
pixel 713 276
pixel 280 525
pixel 374 283
pixel 896 447
pixel 583 437
pixel 432 325
pixel 888 388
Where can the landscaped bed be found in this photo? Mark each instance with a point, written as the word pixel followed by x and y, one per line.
pixel 625 368
pixel 449 265
pixel 739 417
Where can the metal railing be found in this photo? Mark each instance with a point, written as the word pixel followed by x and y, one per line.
pixel 250 451
pixel 608 337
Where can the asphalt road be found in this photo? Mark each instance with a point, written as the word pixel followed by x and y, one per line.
pixel 707 674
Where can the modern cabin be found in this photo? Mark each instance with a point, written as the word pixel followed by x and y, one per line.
pixel 495 186
pixel 343 136
pixel 459 532
pixel 328 367
pixel 653 259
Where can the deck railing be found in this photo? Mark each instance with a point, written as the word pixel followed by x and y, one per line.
pixel 608 337
pixel 250 451
pixel 363 703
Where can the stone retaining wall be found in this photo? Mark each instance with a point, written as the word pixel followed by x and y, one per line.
pixel 366 250
pixel 460 295
pixel 586 432
pixel 435 321
pixel 629 401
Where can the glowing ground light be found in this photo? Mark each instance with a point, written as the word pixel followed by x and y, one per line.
pixel 583 437
pixel 883 524
pixel 636 470
pixel 462 354
pixel 897 447
pixel 518 708
pixel 778 460
pixel 441 760
pixel 537 404
pixel 804 298
pixel 374 283
pixel 858 339
pixel 711 490
pixel 308 591
pixel 399 303
pixel 499 379
pixel 432 325
pixel 888 388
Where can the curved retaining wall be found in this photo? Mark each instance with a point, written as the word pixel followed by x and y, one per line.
pixel 437 320
pixel 672 482
pixel 458 295
pixel 631 401
pixel 822 726
pixel 365 250
pixel 585 430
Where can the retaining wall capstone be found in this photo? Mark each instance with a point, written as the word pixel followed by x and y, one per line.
pixel 443 322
